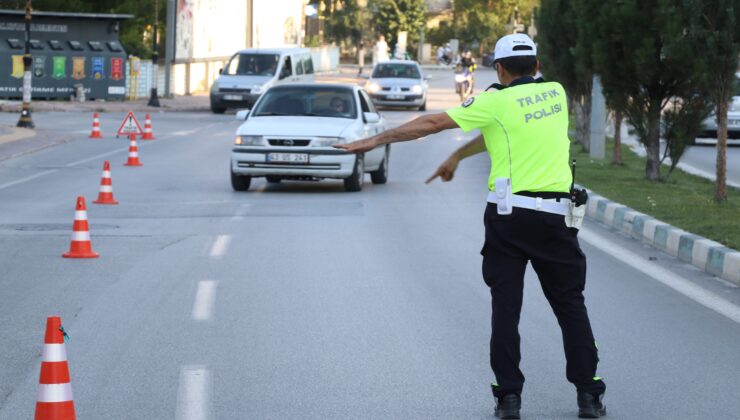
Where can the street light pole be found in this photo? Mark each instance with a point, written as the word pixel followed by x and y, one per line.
pixel 25 120
pixel 153 97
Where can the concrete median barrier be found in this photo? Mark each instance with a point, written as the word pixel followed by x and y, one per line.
pixel 710 256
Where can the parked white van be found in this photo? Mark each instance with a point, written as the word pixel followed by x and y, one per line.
pixel 250 72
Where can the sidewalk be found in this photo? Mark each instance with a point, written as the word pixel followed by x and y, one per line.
pixel 185 103
pixel 16 141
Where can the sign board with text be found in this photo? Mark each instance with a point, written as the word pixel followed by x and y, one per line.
pixel 67 49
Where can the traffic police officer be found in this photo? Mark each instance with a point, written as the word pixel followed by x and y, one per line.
pixel 524 128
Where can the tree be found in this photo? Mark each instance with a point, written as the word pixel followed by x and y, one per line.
pixel 642 49
pixel 347 19
pixel 718 34
pixel 616 100
pixel 565 47
pixel 682 121
pixel 481 21
pixel 442 34
pixel 393 16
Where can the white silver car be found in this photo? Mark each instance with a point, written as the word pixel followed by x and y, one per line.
pixel 733 123
pixel 398 83
pixel 709 130
pixel 290 132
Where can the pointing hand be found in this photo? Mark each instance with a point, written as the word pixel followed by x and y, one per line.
pixel 446 170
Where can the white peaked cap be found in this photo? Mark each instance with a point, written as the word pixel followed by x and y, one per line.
pixel 505 47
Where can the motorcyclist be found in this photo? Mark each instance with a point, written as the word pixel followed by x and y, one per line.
pixel 468 61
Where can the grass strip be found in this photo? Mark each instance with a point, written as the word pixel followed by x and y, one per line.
pixel 684 200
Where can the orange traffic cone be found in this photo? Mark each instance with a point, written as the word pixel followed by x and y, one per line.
pixel 54 400
pixel 133 152
pixel 148 135
pixel 106 187
pixel 80 247
pixel 96 128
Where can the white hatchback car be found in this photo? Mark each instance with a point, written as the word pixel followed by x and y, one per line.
pixel 398 83
pixel 290 132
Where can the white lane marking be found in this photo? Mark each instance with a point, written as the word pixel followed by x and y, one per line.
pixel 75 163
pixel 204 298
pixel 183 133
pixel 28 178
pixel 220 245
pixel 102 155
pixel 241 211
pixel 712 176
pixel 674 281
pixel 193 393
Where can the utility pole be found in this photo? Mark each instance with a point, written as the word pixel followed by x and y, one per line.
pixel 25 120
pixel 153 97
pixel 169 48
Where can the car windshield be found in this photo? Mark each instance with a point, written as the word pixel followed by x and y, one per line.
pixel 318 101
pixel 404 71
pixel 252 65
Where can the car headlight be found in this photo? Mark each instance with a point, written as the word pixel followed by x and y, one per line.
pixel 327 141
pixel 416 89
pixel 214 87
pixel 249 141
pixel 459 78
pixel 372 87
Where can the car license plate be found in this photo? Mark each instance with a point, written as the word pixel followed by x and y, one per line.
pixel 297 158
pixel 733 122
pixel 392 97
pixel 233 97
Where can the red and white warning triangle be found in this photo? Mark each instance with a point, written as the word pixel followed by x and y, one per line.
pixel 129 126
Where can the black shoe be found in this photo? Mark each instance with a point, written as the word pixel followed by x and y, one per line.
pixel 590 406
pixel 508 406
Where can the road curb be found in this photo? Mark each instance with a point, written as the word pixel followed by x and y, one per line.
pixel 705 254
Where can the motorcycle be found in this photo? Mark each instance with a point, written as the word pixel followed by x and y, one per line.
pixel 464 83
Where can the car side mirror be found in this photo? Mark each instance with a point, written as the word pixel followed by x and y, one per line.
pixel 371 117
pixel 220 71
pixel 242 115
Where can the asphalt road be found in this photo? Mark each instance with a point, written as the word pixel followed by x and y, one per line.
pixel 302 301
pixel 704 159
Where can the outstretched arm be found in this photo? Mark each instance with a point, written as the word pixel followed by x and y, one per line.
pixel 412 130
pixel 446 170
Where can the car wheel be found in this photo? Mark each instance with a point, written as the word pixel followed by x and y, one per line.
pixel 423 106
pixel 273 179
pixel 240 182
pixel 217 109
pixel 381 175
pixel 354 182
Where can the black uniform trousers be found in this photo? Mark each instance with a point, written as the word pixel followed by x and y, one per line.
pixel 542 239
